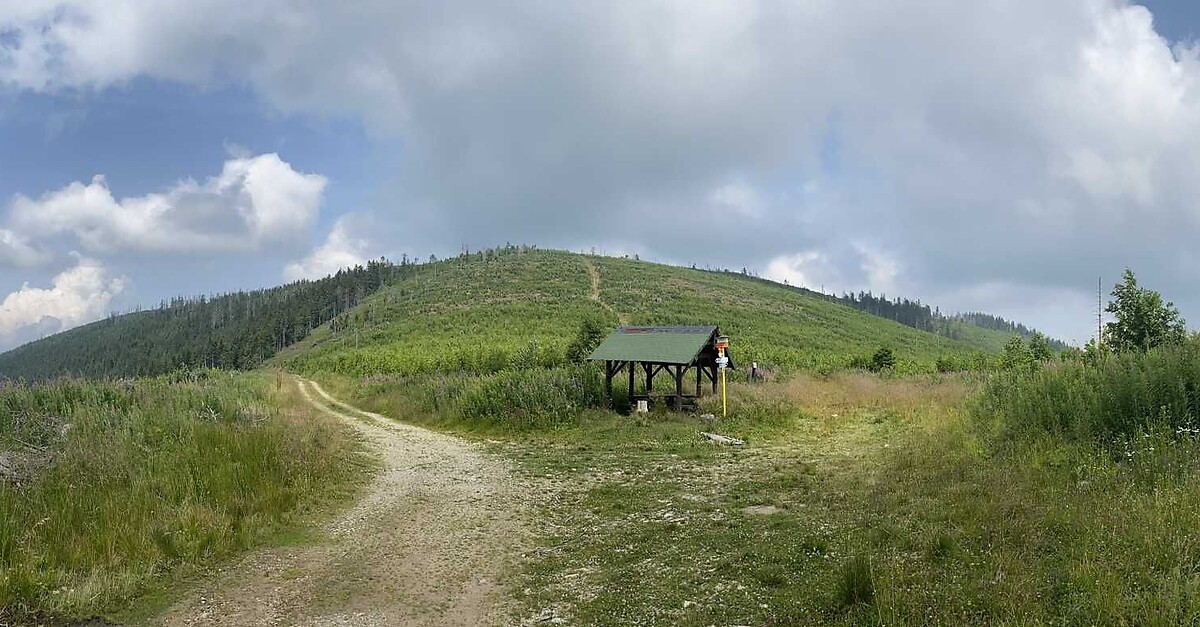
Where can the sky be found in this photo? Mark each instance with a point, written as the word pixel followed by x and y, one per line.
pixel 994 156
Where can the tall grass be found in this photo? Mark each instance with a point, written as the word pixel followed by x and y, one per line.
pixel 146 477
pixel 1118 397
pixel 514 400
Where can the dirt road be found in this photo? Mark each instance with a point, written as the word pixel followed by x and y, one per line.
pixel 429 543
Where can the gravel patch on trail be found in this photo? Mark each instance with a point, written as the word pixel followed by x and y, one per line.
pixel 431 542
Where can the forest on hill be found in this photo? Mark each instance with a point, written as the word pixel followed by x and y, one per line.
pixel 233 331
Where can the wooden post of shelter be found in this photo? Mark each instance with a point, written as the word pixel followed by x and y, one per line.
pixel 608 377
pixel 631 373
pixel 678 388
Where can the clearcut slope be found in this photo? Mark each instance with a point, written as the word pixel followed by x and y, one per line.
pixel 486 312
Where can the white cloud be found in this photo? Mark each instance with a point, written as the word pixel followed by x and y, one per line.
pixel 881 270
pixel 849 268
pixel 740 198
pixel 17 251
pixel 1025 142
pixel 1062 313
pixel 78 295
pixel 808 269
pixel 340 250
pixel 253 202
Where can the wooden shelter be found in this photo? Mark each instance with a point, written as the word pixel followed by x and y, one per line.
pixel 650 350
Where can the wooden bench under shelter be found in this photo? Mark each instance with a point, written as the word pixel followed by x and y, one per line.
pixel 650 350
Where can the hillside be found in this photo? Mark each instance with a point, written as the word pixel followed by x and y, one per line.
pixel 479 313
pixel 490 310
pixel 980 330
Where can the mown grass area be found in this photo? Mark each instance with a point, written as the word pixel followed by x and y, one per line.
pixel 520 308
pixel 858 500
pixel 144 482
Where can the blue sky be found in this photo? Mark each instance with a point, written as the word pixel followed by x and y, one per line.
pixel 1177 20
pixel 993 158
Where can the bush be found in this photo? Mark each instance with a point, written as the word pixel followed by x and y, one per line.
pixel 591 333
pixel 1109 400
pixel 882 360
pixel 1015 355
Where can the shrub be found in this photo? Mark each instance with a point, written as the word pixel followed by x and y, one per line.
pixel 1108 400
pixel 591 332
pixel 1015 355
pixel 882 360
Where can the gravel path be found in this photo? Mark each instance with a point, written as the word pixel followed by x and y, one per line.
pixel 429 543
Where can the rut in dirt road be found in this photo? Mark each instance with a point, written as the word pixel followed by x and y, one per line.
pixel 430 542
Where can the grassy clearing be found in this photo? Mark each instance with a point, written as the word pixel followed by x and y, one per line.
pixel 152 479
pixel 858 500
pixel 654 525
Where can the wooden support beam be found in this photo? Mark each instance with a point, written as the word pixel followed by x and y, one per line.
pixel 632 367
pixel 649 377
pixel 608 377
pixel 698 369
pixel 679 388
pixel 716 371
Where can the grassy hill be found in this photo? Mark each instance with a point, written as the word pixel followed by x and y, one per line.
pixel 482 313
pixel 491 311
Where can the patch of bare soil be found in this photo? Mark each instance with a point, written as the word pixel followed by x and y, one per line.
pixel 431 542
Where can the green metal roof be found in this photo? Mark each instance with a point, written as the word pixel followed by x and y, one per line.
pixel 666 345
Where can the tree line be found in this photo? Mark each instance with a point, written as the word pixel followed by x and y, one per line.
pixel 238 330
pixel 911 313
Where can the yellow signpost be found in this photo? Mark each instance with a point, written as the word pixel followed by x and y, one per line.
pixel 722 344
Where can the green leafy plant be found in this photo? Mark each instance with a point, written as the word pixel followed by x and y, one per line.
pixel 1143 320
pixel 592 332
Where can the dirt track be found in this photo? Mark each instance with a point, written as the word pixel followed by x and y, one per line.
pixel 427 544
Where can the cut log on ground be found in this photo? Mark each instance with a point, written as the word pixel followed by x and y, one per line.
pixel 721 439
